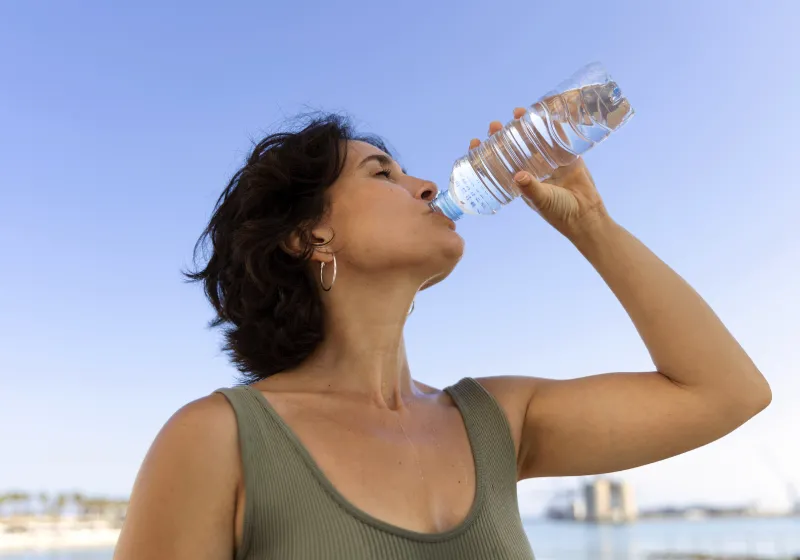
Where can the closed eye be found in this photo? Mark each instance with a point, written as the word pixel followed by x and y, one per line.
pixel 385 172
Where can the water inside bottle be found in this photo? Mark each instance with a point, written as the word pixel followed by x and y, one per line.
pixel 553 133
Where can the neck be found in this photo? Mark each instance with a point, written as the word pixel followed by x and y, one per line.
pixel 364 353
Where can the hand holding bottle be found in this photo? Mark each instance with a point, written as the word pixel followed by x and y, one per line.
pixel 546 141
pixel 568 200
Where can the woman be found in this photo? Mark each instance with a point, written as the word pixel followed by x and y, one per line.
pixel 332 450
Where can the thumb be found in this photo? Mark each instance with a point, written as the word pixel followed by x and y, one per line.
pixel 536 192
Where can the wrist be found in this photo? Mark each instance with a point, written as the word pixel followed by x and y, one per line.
pixel 594 226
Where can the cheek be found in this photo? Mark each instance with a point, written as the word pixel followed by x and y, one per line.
pixel 382 234
pixel 378 216
pixel 373 200
pixel 380 239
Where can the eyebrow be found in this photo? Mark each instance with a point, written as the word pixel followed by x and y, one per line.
pixel 383 159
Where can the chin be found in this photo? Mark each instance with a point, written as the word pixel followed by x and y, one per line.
pixel 454 246
pixel 447 259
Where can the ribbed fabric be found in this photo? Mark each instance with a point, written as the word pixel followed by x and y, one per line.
pixel 293 512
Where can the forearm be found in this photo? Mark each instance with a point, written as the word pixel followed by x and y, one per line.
pixel 686 340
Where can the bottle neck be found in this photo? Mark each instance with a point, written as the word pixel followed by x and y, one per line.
pixel 444 204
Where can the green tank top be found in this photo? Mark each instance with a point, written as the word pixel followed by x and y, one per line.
pixel 293 512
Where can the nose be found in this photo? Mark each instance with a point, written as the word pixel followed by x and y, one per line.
pixel 427 191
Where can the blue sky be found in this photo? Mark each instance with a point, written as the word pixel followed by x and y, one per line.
pixel 120 124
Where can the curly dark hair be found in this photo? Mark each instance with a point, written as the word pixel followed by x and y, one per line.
pixel 264 296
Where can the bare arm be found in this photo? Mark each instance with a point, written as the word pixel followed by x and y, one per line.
pixel 183 503
pixel 705 385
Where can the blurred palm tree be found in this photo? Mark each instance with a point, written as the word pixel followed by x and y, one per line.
pixel 59 504
pixel 97 507
pixel 79 500
pixel 25 499
pixel 44 501
pixel 19 502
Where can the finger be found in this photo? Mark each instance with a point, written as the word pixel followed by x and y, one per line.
pixel 523 178
pixel 519 111
pixel 495 126
pixel 535 193
pixel 474 143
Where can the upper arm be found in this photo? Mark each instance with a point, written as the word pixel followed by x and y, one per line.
pixel 607 423
pixel 183 503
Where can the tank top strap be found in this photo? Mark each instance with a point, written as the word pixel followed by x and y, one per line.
pixel 261 434
pixel 271 464
pixel 490 434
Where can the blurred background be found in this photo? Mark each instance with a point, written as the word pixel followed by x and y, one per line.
pixel 121 123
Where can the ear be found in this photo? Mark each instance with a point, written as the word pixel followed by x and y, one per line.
pixel 319 238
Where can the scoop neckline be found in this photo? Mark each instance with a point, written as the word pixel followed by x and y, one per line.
pixel 363 516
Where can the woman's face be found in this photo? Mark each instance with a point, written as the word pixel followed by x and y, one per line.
pixel 382 223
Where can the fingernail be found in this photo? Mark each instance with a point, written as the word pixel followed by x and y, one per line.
pixel 521 177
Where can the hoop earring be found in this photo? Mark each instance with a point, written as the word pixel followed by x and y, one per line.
pixel 321 280
pixel 410 309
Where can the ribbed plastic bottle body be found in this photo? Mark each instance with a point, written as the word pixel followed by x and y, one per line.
pixel 557 129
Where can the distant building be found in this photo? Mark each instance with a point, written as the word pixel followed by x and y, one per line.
pixel 602 500
pixel 609 501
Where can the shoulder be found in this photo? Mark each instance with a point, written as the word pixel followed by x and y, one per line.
pixel 184 497
pixel 199 440
pixel 208 420
pixel 195 453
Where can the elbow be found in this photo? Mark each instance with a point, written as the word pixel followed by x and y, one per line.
pixel 764 397
pixel 740 400
pixel 756 396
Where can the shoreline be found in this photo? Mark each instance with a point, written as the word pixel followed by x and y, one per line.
pixel 43 536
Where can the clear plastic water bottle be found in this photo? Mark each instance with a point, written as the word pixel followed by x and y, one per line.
pixel 566 122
